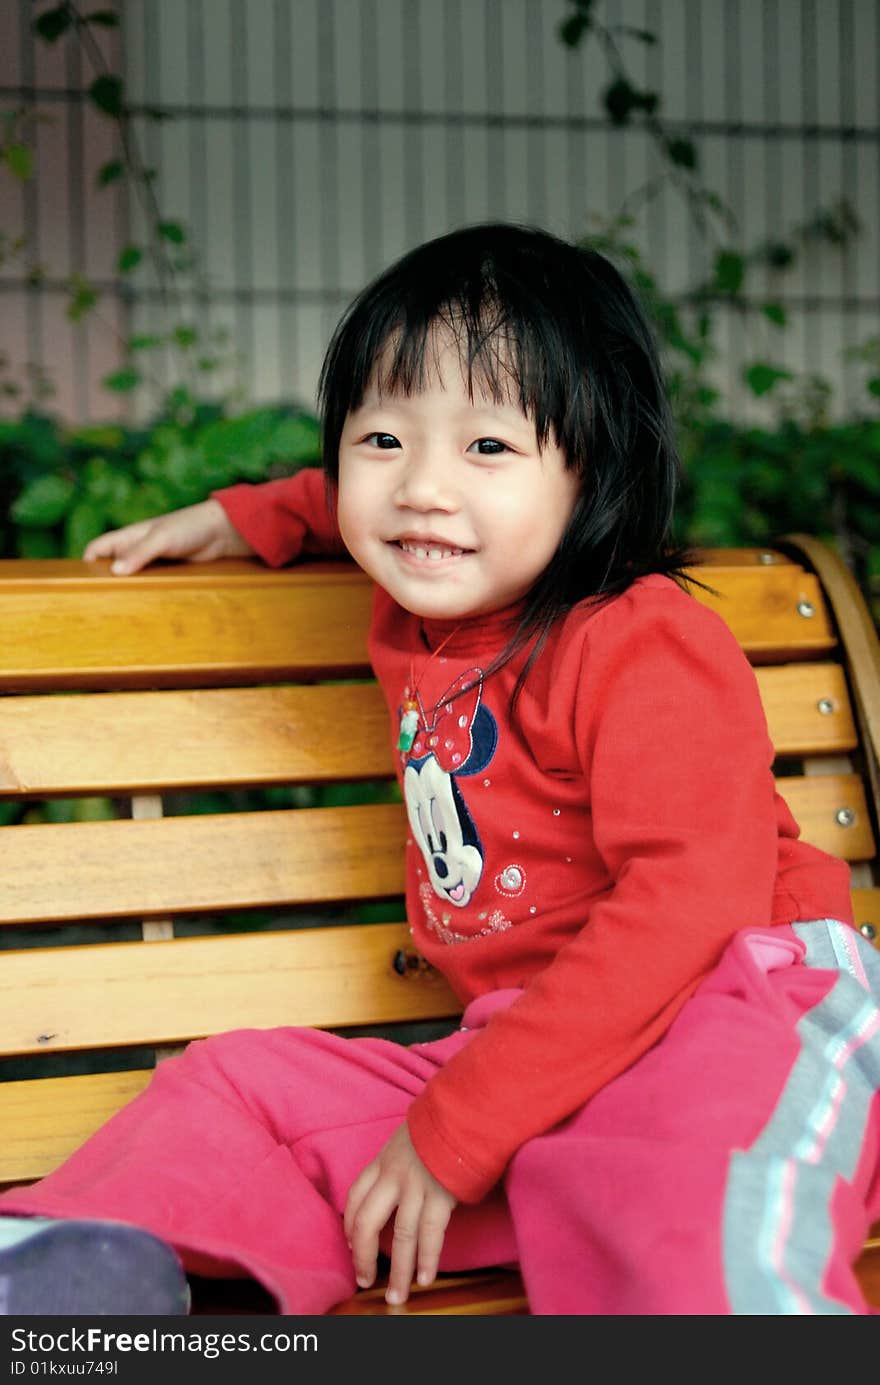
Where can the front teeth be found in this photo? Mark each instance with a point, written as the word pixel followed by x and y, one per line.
pixel 432 554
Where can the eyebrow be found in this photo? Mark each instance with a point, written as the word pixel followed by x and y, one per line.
pixel 481 408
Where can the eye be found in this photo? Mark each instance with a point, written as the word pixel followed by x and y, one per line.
pixel 384 441
pixel 489 447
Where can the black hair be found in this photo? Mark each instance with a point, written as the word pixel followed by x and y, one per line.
pixel 556 328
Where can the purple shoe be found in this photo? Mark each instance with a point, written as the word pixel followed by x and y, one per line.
pixel 87 1268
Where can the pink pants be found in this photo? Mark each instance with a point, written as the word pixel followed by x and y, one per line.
pixel 733 1169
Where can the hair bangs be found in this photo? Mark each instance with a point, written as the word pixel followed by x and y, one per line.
pixel 509 348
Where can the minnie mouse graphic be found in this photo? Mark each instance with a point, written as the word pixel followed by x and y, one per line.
pixel 457 738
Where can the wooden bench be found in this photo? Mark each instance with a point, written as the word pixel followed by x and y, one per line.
pixel 124 938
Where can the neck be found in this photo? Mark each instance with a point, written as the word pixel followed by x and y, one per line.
pixel 490 628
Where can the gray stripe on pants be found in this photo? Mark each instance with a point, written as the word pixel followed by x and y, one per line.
pixel 778 1235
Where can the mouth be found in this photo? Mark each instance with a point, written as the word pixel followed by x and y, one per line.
pixel 456 892
pixel 430 550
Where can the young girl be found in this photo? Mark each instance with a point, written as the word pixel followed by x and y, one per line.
pixel 663 1095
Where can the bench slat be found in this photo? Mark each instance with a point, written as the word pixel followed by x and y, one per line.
pixel 128 869
pixel 160 993
pixel 147 631
pixel 262 859
pixel 761 607
pixel 135 635
pixel 791 694
pixel 866 909
pixel 495 1293
pixel 45 1120
pixel 157 741
pixel 816 802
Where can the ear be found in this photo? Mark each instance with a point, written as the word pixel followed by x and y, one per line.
pixel 484 739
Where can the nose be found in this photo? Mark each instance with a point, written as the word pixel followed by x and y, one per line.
pixel 425 484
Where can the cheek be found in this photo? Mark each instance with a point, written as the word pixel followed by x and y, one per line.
pixel 353 505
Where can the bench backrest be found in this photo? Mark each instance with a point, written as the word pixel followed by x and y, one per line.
pixel 127 920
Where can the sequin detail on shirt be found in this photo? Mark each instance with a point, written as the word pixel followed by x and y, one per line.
pixel 496 921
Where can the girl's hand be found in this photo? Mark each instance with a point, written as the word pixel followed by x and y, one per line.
pixel 197 533
pixel 397 1178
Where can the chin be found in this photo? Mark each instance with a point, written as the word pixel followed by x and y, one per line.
pixel 434 610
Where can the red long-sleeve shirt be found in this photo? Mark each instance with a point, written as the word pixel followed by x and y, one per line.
pixel 597 850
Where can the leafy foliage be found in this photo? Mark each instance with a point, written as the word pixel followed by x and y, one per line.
pixel 798 470
pixel 61 487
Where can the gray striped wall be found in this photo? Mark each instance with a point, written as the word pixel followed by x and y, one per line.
pixel 314 140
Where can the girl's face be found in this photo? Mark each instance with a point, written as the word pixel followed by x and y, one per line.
pixel 449 504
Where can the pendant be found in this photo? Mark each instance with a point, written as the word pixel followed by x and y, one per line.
pixel 409 725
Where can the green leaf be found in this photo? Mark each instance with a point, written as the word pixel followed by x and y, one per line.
pixel 56 810
pixel 107 94
pixel 729 271
pixel 109 172
pixel 44 501
pixel 296 439
pixel 120 502
pixel 82 298
pixel 863 469
pixel 129 258
pixel 145 342
pixel 620 100
pixel 761 377
pixel 778 255
pixel 53 23
pixel 85 521
pixel 105 485
pixel 572 30
pixel 108 19
pixel 682 152
pixel 109 436
pixel 874 385
pixel 19 159
pixel 185 336
pixel 92 810
pixel 171 231
pixel 122 381
pixel 775 313
pixel 143 502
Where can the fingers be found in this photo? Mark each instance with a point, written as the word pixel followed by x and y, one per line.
pixel 133 547
pixel 195 533
pixel 397 1178
pixel 419 1232
pixel 136 554
pixel 366 1212
pixel 118 543
pixel 404 1248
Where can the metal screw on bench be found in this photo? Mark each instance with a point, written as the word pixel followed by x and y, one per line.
pixel 826 706
pixel 766 558
pixel 806 609
pixel 846 817
pixel 868 931
pixel 404 962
